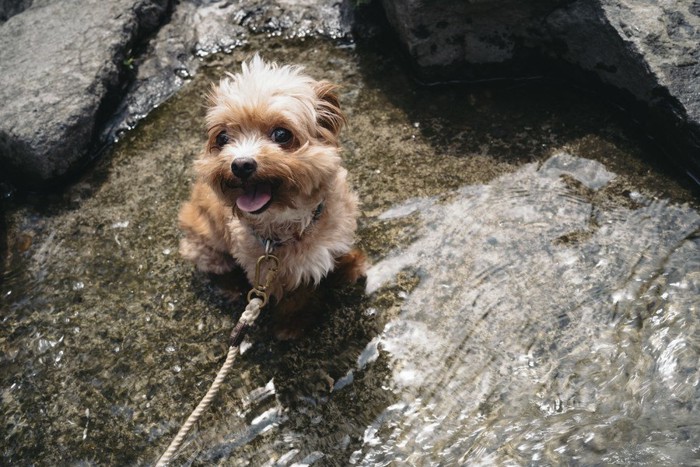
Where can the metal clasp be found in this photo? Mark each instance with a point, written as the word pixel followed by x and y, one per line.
pixel 260 288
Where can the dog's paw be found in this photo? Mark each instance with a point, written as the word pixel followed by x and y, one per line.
pixel 288 333
pixel 350 267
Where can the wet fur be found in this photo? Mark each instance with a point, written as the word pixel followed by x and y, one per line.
pixel 303 174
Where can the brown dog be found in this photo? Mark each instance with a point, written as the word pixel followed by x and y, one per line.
pixel 271 174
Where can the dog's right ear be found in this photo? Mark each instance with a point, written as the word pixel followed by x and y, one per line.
pixel 329 117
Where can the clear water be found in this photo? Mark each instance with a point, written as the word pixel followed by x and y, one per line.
pixel 533 297
pixel 543 329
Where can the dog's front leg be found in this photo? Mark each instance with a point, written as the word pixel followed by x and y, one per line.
pixel 204 221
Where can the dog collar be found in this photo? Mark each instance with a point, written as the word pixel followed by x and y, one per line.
pixel 272 243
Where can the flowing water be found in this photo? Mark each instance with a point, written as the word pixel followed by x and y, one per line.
pixel 533 297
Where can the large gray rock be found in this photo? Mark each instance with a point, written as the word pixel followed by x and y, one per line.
pixel 65 74
pixel 649 49
pixel 63 66
pixel 639 46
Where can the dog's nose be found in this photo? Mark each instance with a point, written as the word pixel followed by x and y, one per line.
pixel 244 167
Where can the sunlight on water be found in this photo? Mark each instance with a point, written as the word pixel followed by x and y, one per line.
pixel 544 327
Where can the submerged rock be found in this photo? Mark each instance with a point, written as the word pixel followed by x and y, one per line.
pixel 537 346
pixel 646 49
pixel 64 65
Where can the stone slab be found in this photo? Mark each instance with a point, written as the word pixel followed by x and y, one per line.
pixel 64 64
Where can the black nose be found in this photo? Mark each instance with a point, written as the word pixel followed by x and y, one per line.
pixel 244 167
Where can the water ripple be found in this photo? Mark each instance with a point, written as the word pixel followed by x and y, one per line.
pixel 522 345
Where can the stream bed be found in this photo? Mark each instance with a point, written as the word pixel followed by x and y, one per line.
pixel 532 299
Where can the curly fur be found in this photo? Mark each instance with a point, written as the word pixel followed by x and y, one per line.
pixel 311 217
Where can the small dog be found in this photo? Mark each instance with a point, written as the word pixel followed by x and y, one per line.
pixel 271 174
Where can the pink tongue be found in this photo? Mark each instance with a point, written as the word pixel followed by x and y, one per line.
pixel 255 197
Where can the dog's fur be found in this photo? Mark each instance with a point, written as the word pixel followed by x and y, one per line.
pixel 310 217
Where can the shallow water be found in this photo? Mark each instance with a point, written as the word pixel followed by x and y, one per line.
pixel 543 329
pixel 532 299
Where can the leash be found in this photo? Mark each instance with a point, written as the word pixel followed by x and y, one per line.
pixel 257 299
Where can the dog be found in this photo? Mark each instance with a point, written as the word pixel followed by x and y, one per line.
pixel 270 177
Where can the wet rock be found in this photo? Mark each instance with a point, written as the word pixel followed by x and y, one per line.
pixel 647 50
pixel 64 66
pixel 627 284
pixel 198 30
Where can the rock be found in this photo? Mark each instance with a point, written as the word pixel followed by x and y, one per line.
pixel 64 65
pixel 9 8
pixel 446 39
pixel 197 30
pixel 649 50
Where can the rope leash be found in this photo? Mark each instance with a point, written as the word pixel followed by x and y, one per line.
pixel 257 299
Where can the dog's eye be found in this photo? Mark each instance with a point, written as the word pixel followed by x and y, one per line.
pixel 221 139
pixel 281 136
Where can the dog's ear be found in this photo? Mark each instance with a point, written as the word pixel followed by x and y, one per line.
pixel 330 118
pixel 214 94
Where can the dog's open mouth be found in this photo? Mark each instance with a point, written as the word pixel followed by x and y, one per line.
pixel 256 197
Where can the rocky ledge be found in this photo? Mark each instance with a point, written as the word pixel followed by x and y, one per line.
pixel 647 52
pixel 64 64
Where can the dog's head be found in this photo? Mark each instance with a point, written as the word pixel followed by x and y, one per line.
pixel 272 140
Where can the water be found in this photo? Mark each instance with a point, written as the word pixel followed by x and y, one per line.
pixel 544 329
pixel 532 299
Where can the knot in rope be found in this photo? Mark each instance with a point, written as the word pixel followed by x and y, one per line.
pixel 245 321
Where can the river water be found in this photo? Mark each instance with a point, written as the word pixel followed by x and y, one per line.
pixel 532 299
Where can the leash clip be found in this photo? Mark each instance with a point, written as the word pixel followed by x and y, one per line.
pixel 260 288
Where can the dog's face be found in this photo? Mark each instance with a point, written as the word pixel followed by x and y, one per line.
pixel 272 141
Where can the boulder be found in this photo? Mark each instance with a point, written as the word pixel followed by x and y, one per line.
pixel 64 66
pixel 648 50
pixel 447 39
pixel 70 81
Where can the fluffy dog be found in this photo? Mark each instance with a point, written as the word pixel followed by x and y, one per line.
pixel 271 174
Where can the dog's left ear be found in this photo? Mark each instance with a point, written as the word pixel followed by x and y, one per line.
pixel 330 118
